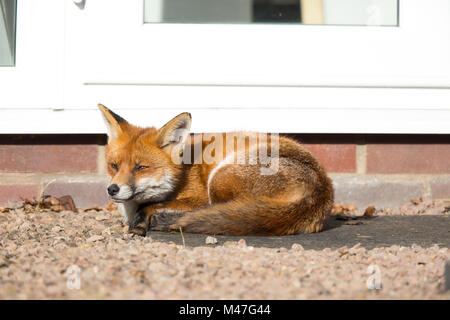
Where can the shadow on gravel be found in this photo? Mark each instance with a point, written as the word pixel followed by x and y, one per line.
pixel 382 231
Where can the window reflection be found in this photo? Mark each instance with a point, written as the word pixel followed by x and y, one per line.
pixel 327 12
pixel 7 32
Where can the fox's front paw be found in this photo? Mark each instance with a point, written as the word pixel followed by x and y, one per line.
pixel 163 220
pixel 139 231
pixel 138 226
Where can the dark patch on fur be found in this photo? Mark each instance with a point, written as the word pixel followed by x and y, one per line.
pixel 138 226
pixel 138 219
pixel 161 221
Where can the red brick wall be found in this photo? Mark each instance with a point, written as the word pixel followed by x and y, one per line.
pixel 72 163
pixel 363 167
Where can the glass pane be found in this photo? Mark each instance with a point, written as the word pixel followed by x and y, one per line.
pixel 326 12
pixel 7 32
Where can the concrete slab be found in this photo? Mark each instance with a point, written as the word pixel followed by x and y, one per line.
pixel 383 231
pixel 364 191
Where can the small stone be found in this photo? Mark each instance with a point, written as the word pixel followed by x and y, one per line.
pixel 101 217
pixel 95 238
pixel 3 262
pixel 57 229
pixel 242 243
pixel 354 250
pixel 297 247
pixel 210 240
pixel 342 249
pixel 229 243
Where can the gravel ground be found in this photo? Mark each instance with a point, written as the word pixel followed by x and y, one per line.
pixel 41 254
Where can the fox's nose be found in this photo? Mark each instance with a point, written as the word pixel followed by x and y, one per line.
pixel 113 189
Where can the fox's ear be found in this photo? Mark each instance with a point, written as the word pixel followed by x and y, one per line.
pixel 114 123
pixel 173 135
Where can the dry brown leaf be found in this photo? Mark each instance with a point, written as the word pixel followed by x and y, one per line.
pixel 53 201
pixel 416 201
pixel 111 206
pixel 68 203
pixel 370 212
pixel 48 202
pixel 337 209
pixel 28 201
pixel 349 207
pixel 95 208
pixel 57 208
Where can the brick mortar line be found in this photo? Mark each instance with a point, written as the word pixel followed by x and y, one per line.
pixel 41 180
pixel 361 154
pixel 36 177
pixel 426 190
pixel 101 161
pixel 361 159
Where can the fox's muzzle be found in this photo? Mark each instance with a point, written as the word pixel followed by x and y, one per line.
pixel 120 193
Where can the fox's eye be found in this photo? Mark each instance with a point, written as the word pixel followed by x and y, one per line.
pixel 113 166
pixel 138 167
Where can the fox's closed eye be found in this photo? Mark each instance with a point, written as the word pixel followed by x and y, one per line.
pixel 139 167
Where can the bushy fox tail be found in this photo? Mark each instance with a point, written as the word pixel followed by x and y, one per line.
pixel 237 217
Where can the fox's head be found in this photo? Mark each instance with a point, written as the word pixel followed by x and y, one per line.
pixel 140 160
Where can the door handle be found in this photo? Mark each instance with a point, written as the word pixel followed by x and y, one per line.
pixel 80 3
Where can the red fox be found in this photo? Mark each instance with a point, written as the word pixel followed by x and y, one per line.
pixel 167 179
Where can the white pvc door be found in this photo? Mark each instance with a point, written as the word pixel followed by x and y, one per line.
pixel 283 78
